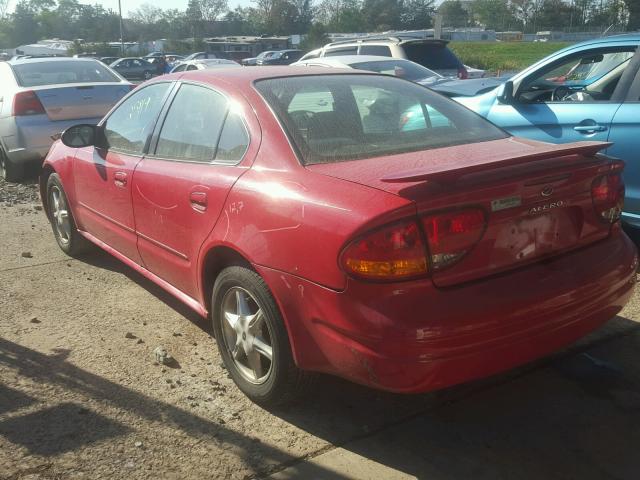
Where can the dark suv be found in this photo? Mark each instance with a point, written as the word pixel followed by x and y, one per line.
pixel 282 57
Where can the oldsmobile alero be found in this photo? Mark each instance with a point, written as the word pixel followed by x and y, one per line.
pixel 348 223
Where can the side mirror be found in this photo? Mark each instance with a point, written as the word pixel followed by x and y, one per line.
pixel 78 136
pixel 506 96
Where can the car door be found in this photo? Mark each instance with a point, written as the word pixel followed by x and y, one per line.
pixel 103 174
pixel 624 135
pixel 571 99
pixel 123 67
pixel 180 190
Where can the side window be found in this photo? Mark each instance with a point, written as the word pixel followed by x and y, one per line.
pixel 334 52
pixel 379 50
pixel 234 140
pixel 191 68
pixel 191 128
pixel 590 76
pixel 128 127
pixel 180 68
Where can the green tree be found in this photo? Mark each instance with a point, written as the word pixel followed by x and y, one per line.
pixel 453 14
pixel 494 14
pixel 417 14
pixel 316 38
pixel 25 26
pixel 194 17
pixel 380 15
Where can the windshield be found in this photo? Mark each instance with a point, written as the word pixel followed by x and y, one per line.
pixel 333 118
pixel 34 74
pixel 398 68
pixel 435 56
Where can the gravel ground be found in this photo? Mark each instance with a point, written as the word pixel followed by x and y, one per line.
pixel 81 395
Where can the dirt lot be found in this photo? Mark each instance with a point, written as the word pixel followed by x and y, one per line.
pixel 81 396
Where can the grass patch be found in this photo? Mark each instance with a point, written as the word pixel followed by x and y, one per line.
pixel 503 56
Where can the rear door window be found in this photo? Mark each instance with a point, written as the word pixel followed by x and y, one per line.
pixel 34 74
pixel 234 140
pixel 433 56
pixel 378 50
pixel 334 52
pixel 192 125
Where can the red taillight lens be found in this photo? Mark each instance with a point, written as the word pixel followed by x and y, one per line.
pixel 451 235
pixel 396 252
pixel 607 193
pixel 27 103
pixel 462 73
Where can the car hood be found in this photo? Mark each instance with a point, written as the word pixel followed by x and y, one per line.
pixel 466 88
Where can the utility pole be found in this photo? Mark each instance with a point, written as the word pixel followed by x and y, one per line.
pixel 121 33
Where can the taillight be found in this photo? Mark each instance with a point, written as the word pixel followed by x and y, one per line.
pixel 27 103
pixel 451 235
pixel 607 193
pixel 462 73
pixel 396 252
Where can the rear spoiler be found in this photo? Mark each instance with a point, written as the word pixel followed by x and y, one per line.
pixel 449 171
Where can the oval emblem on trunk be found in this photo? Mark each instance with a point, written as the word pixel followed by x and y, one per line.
pixel 547 191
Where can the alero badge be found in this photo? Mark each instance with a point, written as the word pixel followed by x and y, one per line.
pixel 546 207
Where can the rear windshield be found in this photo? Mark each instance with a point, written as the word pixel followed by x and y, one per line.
pixel 333 118
pixel 398 68
pixel 434 56
pixel 33 74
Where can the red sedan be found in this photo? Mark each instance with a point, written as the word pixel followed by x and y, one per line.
pixel 347 222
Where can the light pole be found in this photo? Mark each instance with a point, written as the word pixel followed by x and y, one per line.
pixel 121 34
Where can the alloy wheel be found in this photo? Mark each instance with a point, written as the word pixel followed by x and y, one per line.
pixel 247 335
pixel 60 214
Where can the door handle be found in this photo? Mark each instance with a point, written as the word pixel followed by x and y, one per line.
pixel 589 128
pixel 198 201
pixel 120 179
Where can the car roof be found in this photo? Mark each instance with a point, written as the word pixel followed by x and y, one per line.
pixel 50 59
pixel 243 78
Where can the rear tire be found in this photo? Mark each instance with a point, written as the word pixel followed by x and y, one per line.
pixel 64 226
pixel 252 339
pixel 10 171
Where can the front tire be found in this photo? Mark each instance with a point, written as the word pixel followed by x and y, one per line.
pixel 252 338
pixel 64 226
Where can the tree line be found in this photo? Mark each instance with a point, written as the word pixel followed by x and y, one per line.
pixel 33 20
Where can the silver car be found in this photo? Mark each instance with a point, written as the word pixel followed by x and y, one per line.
pixel 41 97
pixel 203 64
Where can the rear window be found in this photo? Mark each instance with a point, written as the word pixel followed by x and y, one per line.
pixel 434 56
pixel 333 118
pixel 33 74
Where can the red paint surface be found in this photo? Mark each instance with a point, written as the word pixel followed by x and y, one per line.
pixel 490 311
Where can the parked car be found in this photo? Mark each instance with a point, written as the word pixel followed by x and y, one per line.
pixel 133 68
pixel 430 53
pixel 440 254
pixel 108 60
pixel 253 60
pixel 282 57
pixel 467 88
pixel 201 56
pixel 588 91
pixel 157 54
pixel 388 66
pixel 204 64
pixel 174 59
pixel 475 72
pixel 42 97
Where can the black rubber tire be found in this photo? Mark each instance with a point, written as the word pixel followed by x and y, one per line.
pixel 10 171
pixel 286 382
pixel 77 244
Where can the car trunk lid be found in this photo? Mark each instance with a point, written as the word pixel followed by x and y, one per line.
pixel 535 197
pixel 80 101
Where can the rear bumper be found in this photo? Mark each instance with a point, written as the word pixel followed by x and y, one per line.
pixel 413 337
pixel 28 139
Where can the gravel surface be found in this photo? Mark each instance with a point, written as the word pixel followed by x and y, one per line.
pixel 84 393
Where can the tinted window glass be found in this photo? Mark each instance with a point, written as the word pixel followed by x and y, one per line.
pixel 131 123
pixel 371 116
pixel 380 50
pixel 179 68
pixel 191 67
pixel 341 51
pixel 191 128
pixel 234 140
pixel 33 74
pixel 433 56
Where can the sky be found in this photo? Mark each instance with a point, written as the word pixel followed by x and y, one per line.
pixel 130 5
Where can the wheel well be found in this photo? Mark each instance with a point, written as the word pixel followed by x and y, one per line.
pixel 217 259
pixel 47 170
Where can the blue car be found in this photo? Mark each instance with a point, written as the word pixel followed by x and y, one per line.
pixel 588 91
